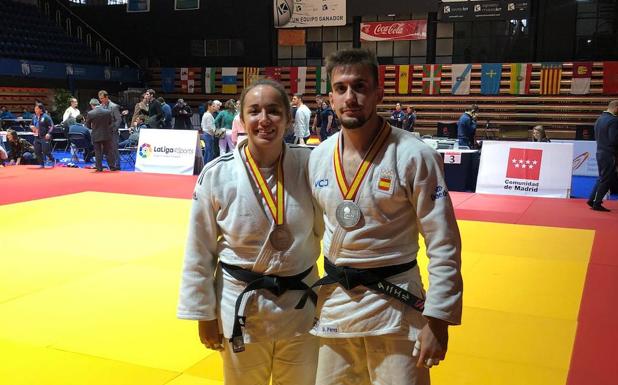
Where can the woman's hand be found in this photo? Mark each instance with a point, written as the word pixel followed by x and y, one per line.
pixel 209 334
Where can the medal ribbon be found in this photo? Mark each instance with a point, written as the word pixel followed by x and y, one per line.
pixel 276 207
pixel 349 193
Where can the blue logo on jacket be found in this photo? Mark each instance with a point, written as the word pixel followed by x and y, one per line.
pixel 321 183
pixel 439 192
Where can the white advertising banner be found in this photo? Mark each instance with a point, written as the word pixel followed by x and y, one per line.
pixel 584 157
pixel 526 168
pixel 166 151
pixel 309 13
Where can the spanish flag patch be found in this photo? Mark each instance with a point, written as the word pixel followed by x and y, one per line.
pixel 385 182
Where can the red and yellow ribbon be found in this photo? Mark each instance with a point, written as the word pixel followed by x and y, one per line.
pixel 276 207
pixel 349 192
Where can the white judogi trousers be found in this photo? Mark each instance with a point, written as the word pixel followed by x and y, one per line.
pixel 373 360
pixel 290 361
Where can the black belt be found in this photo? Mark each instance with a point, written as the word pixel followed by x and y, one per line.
pixel 275 284
pixel 375 279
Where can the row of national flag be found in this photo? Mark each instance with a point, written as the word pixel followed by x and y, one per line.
pixel 519 78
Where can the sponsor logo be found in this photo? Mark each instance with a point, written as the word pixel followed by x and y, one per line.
pixel 580 160
pixel 145 150
pixel 439 193
pixel 321 183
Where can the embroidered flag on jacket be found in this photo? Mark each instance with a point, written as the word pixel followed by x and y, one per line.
pixel 524 163
pixel 228 80
pixel 491 75
pixel 610 77
pixel 432 79
pixel 582 75
pixel 187 80
pixel 249 75
pixel 322 85
pixel 551 75
pixel 460 79
pixel 167 79
pixel 208 80
pixel 402 79
pixel 385 183
pixel 520 78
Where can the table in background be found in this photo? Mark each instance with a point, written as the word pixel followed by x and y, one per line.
pixel 461 168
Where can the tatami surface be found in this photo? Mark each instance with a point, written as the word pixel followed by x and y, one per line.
pixel 89 284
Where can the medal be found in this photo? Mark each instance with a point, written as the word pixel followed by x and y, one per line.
pixel 280 238
pixel 348 213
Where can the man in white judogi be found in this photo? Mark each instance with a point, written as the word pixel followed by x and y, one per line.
pixel 379 187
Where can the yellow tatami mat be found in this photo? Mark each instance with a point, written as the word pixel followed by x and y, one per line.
pixel 89 284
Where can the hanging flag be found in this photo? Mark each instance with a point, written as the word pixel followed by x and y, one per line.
pixel 228 80
pixel 187 80
pixel 551 74
pixel 491 74
pixel 460 79
pixel 520 78
pixel 582 75
pixel 293 80
pixel 402 79
pixel 432 79
pixel 167 79
pixel 322 85
pixel 610 77
pixel 249 75
pixel 208 80
pixel 381 75
pixel 302 80
pixel 273 73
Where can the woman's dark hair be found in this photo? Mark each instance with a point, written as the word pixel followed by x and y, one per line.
pixel 13 134
pixel 40 105
pixel 283 96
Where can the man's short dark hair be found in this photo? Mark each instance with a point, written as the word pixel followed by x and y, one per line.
pixel 208 103
pixel 161 100
pixel 354 56
pixel 79 118
pixel 299 96
pixel 151 91
pixel 474 108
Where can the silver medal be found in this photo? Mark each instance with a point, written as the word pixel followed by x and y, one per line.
pixel 281 238
pixel 348 214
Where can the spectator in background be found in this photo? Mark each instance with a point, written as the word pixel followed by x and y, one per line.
pixel 42 126
pixel 466 127
pixel 410 119
pixel 302 120
pixel 68 118
pixel 100 121
pixel 182 116
pixel 317 119
pixel 167 113
pixel 21 151
pixel 539 135
pixel 133 138
pixel 606 134
pixel 397 116
pixel 224 120
pixel 5 113
pixel 207 132
pixel 140 110
pixel 107 104
pixel 238 130
pixel 327 121
pixel 217 104
pixel 80 128
pixel 155 111
pixel 25 114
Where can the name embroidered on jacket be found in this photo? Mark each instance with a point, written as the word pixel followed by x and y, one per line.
pixel 439 192
pixel 321 183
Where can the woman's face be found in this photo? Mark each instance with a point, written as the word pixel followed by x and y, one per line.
pixel 11 137
pixel 264 116
pixel 38 110
pixel 536 134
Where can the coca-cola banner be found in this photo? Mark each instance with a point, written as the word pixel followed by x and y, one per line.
pixel 394 30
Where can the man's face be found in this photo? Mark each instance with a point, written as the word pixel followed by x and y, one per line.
pixel 398 107
pixel 104 99
pixel 409 110
pixel 295 101
pixel 355 95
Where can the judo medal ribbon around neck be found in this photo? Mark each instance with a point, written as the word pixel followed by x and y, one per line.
pixel 348 213
pixel 280 238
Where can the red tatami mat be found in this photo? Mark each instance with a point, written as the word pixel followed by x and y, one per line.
pixel 25 183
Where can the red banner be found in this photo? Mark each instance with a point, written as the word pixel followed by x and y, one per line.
pixel 394 30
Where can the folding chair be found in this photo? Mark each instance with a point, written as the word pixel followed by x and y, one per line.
pixel 127 154
pixel 79 142
pixel 59 137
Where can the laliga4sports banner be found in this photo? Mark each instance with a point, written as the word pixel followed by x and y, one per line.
pixel 166 151
pixel 526 168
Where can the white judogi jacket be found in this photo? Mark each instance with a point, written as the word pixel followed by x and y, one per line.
pixel 231 222
pixel 413 199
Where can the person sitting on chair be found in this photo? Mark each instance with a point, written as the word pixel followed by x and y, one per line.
pixel 539 135
pixel 133 138
pixel 21 151
pixel 80 128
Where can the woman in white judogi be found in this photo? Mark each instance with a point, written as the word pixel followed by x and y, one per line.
pixel 253 223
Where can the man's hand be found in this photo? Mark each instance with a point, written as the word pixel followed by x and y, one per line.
pixel 48 136
pixel 432 343
pixel 209 334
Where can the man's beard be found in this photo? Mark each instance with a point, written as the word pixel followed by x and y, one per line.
pixel 352 123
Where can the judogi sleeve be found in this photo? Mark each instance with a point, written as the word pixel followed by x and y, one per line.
pixel 197 290
pixel 438 226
